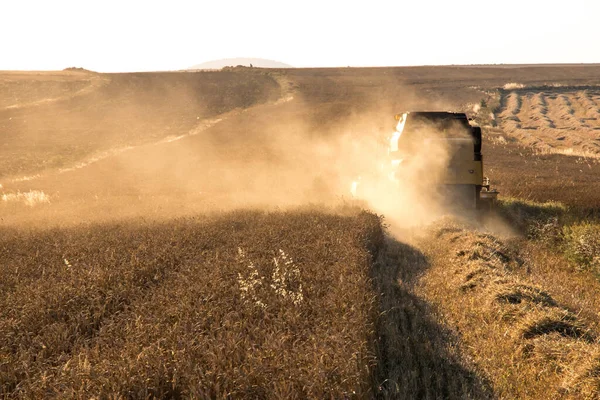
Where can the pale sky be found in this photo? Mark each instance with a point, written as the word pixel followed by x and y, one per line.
pixel 137 35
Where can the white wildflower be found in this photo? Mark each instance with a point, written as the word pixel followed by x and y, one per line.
pixel 284 282
pixel 250 285
pixel 286 278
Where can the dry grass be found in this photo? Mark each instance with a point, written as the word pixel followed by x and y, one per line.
pixel 544 321
pixel 518 294
pixel 506 322
pixel 584 381
pixel 561 250
pixel 553 119
pixel 286 304
pixel 140 309
pixel 418 356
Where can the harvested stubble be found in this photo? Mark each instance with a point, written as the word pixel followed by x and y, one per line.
pixel 139 310
pixel 418 357
pixel 527 344
pixel 562 248
pixel 584 382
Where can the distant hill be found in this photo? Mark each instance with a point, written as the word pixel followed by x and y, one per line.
pixel 232 62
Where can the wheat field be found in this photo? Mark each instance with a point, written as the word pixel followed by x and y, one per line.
pixel 192 235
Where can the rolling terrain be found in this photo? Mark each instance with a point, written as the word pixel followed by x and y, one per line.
pixel 191 235
pixel 246 62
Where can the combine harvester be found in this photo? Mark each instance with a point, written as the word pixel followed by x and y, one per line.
pixel 440 150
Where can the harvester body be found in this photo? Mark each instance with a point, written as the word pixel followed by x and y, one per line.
pixel 447 144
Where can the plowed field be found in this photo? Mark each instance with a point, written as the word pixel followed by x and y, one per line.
pixel 554 120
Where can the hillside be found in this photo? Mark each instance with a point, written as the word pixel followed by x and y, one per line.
pixel 233 62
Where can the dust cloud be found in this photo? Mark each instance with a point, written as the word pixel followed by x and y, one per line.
pixel 273 155
pixel 285 162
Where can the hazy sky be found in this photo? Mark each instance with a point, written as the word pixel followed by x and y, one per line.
pixel 136 35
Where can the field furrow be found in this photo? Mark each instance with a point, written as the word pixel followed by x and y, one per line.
pixel 595 99
pixel 593 103
pixel 512 108
pixel 528 113
pixel 561 112
pixel 541 110
pixel 553 121
pixel 585 108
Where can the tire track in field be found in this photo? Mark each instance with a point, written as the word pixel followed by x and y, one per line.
pixel 95 83
pixel 200 127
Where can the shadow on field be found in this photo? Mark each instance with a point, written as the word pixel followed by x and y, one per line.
pixel 418 358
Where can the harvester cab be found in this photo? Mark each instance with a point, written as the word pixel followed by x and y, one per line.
pixel 449 144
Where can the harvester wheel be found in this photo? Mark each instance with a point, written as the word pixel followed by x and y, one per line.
pixel 486 200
